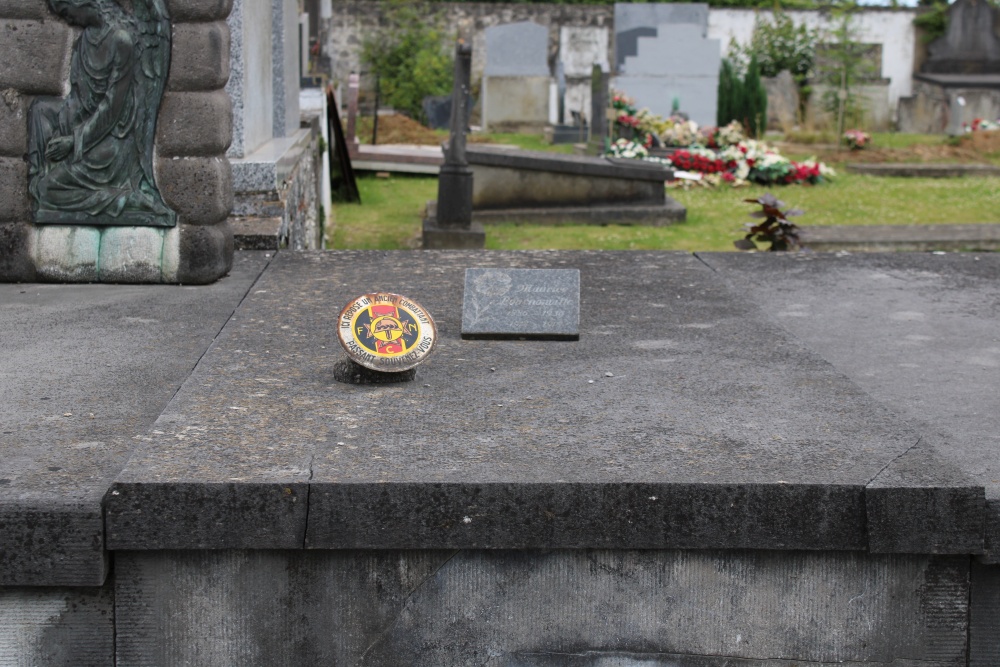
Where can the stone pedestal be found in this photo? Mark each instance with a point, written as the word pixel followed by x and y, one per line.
pixel 460 237
pixel 455 209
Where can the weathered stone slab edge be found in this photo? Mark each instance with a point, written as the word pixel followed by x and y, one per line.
pixel 191 515
pixel 52 544
pixel 591 167
pixel 256 233
pixel 586 515
pixel 926 520
pixel 656 215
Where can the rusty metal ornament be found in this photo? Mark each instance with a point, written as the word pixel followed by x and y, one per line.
pixel 386 332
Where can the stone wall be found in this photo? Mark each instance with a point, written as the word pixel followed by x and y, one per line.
pixel 278 203
pixel 193 133
pixel 931 107
pixel 353 20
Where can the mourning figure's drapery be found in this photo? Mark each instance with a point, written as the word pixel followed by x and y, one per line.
pixel 91 153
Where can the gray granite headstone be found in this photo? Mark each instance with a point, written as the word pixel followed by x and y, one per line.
pixel 521 303
pixel 640 20
pixel 517 49
pixel 970 45
pixel 677 62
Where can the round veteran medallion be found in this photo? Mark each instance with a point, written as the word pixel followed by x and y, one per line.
pixel 386 332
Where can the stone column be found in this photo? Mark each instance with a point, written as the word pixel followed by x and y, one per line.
pixel 353 87
pixel 449 222
pixel 454 207
pixel 599 104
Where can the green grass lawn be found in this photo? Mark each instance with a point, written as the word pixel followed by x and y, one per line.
pixel 390 217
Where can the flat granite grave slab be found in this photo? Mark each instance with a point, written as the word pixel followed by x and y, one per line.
pixel 919 332
pixel 547 188
pixel 86 370
pixel 682 418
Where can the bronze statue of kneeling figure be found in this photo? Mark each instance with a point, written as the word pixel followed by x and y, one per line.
pixel 91 154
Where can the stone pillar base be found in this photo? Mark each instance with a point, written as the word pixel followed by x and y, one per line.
pixel 187 254
pixel 472 237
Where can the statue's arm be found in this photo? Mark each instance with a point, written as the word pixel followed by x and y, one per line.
pixel 116 99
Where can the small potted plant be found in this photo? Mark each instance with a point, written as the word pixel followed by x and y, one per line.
pixel 776 229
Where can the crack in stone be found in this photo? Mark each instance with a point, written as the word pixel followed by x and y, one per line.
pixel 406 602
pixel 896 458
pixel 305 529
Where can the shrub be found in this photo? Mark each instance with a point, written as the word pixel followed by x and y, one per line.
pixel 742 99
pixel 409 57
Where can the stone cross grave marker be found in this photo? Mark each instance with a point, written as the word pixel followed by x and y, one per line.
pixel 541 304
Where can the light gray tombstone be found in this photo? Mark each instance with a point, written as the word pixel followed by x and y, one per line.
pixel 517 49
pixel 633 21
pixel 521 303
pixel 516 78
pixel 677 62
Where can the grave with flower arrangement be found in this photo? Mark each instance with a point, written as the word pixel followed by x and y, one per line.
pixel 706 154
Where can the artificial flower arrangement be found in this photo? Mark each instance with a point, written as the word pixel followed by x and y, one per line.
pixel 711 155
pixel 981 125
pixel 630 121
pixel 857 140
pixel 748 161
pixel 626 148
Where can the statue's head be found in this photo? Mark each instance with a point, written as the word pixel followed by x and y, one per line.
pixel 81 12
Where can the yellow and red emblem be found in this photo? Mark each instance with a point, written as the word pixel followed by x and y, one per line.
pixel 386 332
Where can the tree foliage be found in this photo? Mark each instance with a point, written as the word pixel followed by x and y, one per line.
pixel 408 55
pixel 778 44
pixel 742 98
pixel 847 65
pixel 934 21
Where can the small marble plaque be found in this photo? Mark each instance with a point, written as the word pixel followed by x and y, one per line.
pixel 522 303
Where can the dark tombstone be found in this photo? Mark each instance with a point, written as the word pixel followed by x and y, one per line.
pixel 540 304
pixel 600 102
pixel 969 46
pixel 90 154
pixel 437 111
pixel 449 220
